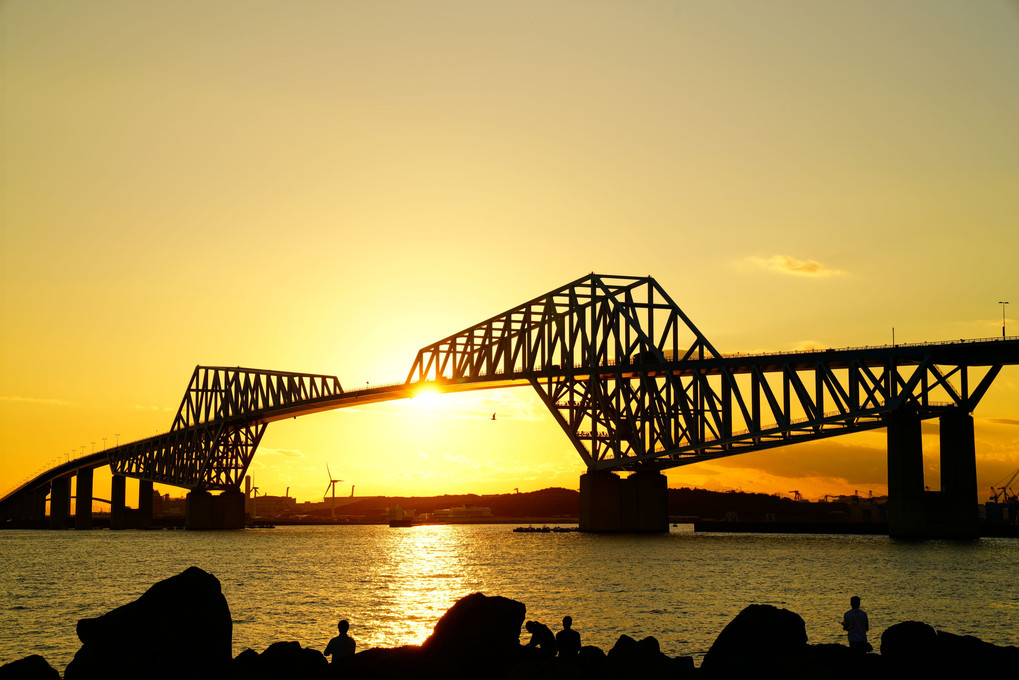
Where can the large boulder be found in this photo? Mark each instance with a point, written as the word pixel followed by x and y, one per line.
pixel 761 639
pixel 281 661
pixel 478 637
pixel 32 667
pixel 965 655
pixel 179 628
pixel 910 647
pixel 630 658
pixel 915 646
pixel 478 633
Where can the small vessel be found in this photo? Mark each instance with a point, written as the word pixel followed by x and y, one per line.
pixel 401 522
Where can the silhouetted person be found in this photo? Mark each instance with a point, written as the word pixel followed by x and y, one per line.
pixel 855 623
pixel 568 640
pixel 341 646
pixel 541 637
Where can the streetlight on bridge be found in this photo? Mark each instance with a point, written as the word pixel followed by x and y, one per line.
pixel 1003 318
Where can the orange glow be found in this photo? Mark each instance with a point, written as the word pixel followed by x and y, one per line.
pixel 343 185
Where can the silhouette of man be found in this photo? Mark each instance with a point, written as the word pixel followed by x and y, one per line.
pixel 568 640
pixel 341 646
pixel 855 623
pixel 541 638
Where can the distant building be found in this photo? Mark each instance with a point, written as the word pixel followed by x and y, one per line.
pixel 270 506
pixel 462 512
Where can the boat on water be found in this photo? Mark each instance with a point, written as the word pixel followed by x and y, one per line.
pixel 401 522
pixel 544 530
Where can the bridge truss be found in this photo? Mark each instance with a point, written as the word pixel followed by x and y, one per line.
pixel 626 374
pixel 635 385
pixel 218 426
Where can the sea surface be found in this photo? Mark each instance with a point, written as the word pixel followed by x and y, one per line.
pixel 294 583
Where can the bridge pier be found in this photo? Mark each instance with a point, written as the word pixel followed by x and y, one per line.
pixel 198 510
pixel 205 511
pixel 914 512
pixel 118 502
pixel 144 513
pixel 60 503
pixel 958 476
pixel 637 504
pixel 37 510
pixel 83 499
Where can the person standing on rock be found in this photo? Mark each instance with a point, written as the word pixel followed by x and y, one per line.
pixel 855 623
pixel 568 640
pixel 341 646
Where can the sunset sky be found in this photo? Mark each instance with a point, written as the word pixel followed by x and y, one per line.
pixel 328 186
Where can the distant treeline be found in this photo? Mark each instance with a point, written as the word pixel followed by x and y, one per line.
pixel 565 503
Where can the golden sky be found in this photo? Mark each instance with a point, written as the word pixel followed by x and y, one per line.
pixel 327 186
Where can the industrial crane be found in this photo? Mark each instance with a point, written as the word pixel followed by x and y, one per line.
pixel 1004 493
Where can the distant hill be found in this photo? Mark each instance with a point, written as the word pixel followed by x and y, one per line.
pixel 565 504
pixel 553 502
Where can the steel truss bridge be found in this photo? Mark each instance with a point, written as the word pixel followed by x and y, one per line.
pixel 629 378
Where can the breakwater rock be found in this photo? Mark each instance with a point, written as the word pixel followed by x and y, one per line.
pixel 181 628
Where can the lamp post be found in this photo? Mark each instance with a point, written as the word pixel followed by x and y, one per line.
pixel 1003 303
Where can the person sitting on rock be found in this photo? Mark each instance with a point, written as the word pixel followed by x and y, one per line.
pixel 541 638
pixel 568 640
pixel 341 646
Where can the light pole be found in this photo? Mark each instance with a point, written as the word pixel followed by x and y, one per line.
pixel 1003 318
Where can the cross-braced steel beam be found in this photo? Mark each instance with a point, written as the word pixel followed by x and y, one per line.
pixel 219 425
pixel 635 385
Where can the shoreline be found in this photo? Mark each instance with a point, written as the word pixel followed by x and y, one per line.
pixel 181 627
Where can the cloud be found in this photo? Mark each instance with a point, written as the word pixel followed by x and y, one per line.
pixel 139 407
pixel 283 453
pixel 784 264
pixel 1003 421
pixel 37 400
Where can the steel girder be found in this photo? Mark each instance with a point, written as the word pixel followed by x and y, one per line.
pixel 593 321
pixel 635 385
pixel 218 426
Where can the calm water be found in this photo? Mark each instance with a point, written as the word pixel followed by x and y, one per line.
pixel 293 583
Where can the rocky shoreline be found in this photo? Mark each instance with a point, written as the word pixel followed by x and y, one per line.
pixel 181 628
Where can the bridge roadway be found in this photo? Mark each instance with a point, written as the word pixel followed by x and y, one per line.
pixel 633 384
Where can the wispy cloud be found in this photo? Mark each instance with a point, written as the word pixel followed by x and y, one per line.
pixel 784 264
pixel 140 407
pixel 37 400
pixel 285 453
pixel 1003 421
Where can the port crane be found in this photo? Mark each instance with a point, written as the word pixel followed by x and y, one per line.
pixel 1004 493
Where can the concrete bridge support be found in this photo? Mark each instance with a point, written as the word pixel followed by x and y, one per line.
pixel 914 512
pixel 83 499
pixel 958 496
pixel 60 503
pixel 637 504
pixel 205 511
pixel 144 514
pixel 37 511
pixel 198 510
pixel 905 475
pixel 118 502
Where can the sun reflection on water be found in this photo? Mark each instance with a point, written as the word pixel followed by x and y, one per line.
pixel 424 573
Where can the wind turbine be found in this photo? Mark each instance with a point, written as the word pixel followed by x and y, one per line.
pixel 331 486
